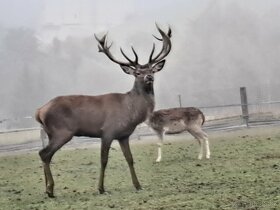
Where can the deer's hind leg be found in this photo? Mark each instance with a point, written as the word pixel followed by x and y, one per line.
pixel 46 154
pixel 105 148
pixel 160 134
pixel 202 139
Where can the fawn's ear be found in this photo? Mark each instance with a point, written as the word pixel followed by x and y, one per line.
pixel 127 69
pixel 158 66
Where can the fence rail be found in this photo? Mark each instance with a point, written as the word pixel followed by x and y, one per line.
pixel 24 132
pixel 12 125
pixel 239 105
pixel 269 114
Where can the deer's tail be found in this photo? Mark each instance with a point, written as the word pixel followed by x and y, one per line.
pixel 37 116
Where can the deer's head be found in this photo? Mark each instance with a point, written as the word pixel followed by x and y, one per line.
pixel 143 73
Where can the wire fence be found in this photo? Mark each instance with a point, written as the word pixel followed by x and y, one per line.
pixel 258 112
pixel 24 132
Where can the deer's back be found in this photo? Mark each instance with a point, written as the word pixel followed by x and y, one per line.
pixel 91 115
pixel 176 119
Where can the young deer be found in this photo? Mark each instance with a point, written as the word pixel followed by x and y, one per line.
pixel 177 120
pixel 110 116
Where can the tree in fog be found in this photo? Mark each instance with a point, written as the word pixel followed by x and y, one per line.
pixel 19 61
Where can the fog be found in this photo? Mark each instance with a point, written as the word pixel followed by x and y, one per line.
pixel 47 49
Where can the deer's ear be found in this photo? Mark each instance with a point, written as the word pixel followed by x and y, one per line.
pixel 127 69
pixel 157 67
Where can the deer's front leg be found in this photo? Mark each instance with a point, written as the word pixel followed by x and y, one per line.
pixel 124 143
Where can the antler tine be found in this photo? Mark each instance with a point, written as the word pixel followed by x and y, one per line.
pixel 104 48
pixel 124 55
pixel 169 33
pixel 106 44
pixel 102 40
pixel 157 38
pixel 166 47
pixel 135 54
pixel 151 55
pixel 135 62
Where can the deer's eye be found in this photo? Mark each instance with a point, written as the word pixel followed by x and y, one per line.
pixel 137 73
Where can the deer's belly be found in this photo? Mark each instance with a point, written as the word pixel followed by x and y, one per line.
pixel 89 132
pixel 175 127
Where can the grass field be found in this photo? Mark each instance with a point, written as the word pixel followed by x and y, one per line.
pixel 243 173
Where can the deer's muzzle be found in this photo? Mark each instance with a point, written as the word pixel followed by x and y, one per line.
pixel 148 78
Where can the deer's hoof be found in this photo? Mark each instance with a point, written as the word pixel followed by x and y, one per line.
pixel 103 192
pixel 138 188
pixel 50 194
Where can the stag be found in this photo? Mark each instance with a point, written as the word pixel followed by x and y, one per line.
pixel 112 116
pixel 178 120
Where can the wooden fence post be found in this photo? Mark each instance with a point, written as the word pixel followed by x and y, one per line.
pixel 43 137
pixel 244 106
pixel 180 101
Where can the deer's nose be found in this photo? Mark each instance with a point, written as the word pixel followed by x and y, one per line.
pixel 149 78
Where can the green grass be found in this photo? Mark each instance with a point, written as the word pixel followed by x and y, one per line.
pixel 243 173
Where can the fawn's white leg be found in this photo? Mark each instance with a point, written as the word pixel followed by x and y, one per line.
pixel 159 152
pixel 206 144
pixel 207 148
pixel 160 143
pixel 200 155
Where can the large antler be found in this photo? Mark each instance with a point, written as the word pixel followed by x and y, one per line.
pixel 166 46
pixel 105 48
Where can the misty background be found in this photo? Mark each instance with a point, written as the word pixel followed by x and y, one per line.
pixel 47 48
